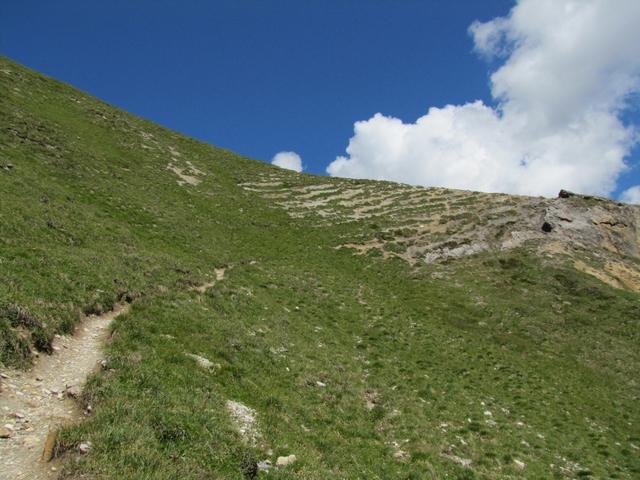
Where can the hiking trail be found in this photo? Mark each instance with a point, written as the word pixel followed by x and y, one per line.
pixel 40 401
pixel 36 402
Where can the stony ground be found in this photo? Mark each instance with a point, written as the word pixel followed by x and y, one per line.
pixel 36 403
pixel 433 224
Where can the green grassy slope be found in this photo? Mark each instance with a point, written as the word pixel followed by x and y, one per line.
pixel 363 366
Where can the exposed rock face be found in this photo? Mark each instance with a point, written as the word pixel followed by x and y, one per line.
pixel 461 251
pixel 434 224
pixel 598 224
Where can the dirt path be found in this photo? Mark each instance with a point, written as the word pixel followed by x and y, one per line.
pixel 37 402
pixel 33 403
pixel 220 272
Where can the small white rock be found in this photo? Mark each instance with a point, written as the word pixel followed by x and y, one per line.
pixel 465 462
pixel 284 461
pixel 519 464
pixel 204 362
pixel 84 447
pixel 401 455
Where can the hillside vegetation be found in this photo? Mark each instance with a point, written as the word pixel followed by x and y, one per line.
pixel 374 330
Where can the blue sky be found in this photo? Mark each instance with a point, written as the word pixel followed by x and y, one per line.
pixel 259 76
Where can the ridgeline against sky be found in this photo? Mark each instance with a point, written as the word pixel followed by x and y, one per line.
pixel 522 97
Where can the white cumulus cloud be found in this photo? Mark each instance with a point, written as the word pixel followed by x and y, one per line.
pixel 631 195
pixel 288 160
pixel 569 68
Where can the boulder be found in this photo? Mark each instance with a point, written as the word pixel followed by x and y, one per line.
pixel 565 194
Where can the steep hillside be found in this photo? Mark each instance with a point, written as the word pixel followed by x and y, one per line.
pixel 373 330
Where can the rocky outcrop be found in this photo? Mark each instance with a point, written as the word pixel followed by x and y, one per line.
pixel 432 225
